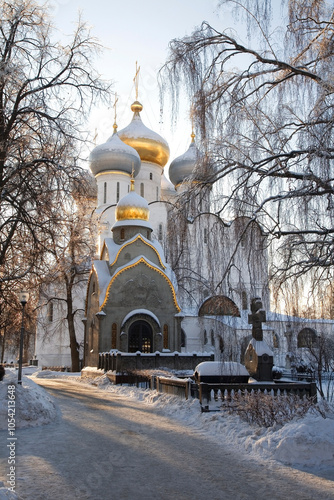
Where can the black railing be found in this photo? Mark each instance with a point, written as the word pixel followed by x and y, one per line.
pixel 223 392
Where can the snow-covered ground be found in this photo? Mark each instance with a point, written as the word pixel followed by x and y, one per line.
pixel 305 443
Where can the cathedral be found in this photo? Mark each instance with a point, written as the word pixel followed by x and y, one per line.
pixel 171 274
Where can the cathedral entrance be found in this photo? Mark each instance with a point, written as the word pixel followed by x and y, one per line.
pixel 140 337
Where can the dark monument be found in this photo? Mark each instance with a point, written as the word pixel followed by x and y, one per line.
pixel 259 359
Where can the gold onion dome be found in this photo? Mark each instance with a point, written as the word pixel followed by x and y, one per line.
pixel 150 146
pixel 114 155
pixel 184 166
pixel 132 207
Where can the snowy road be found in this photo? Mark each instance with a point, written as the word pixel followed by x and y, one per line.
pixel 106 446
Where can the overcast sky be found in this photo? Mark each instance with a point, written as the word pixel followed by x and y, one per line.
pixel 138 31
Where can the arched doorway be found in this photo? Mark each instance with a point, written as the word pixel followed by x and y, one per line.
pixel 140 337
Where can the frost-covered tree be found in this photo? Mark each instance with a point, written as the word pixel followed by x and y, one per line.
pixel 46 91
pixel 263 107
pixel 47 88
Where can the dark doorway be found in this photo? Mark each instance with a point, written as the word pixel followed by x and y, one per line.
pixel 140 337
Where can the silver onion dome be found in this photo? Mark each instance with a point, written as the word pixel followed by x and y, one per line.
pixel 183 166
pixel 114 155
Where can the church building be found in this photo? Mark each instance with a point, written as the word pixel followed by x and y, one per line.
pixel 171 275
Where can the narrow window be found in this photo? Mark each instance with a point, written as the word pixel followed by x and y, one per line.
pixel 142 189
pixel 205 239
pixel 151 176
pixel 50 312
pixel 122 233
pixel 113 335
pixel 105 192
pixel 165 336
pixel 160 232
pixel 157 194
pixel 183 339
pixel 117 192
pixel 244 300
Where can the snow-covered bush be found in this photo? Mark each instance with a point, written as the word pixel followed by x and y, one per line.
pixel 267 410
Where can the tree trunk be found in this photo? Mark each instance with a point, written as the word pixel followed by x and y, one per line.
pixel 71 330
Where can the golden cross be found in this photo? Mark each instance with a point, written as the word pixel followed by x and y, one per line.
pixel 136 80
pixel 115 113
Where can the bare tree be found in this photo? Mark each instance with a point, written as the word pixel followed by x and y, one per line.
pixel 46 90
pixel 73 249
pixel 264 111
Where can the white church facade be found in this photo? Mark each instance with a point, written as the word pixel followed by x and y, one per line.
pixel 170 275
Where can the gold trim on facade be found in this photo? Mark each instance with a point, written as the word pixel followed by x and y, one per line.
pixel 138 237
pixel 142 260
pixel 113 172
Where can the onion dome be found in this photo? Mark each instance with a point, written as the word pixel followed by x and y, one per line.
pixel 132 207
pixel 183 166
pixel 150 146
pixel 114 155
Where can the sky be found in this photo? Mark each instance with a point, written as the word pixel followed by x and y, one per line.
pixel 134 31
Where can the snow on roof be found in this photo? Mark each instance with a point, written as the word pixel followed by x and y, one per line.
pixel 140 311
pixel 137 130
pixel 221 368
pixel 103 277
pixel 135 261
pixel 261 347
pixel 113 248
pixel 133 222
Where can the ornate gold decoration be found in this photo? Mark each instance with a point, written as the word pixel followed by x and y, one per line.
pixel 156 269
pixel 138 237
pixel 132 213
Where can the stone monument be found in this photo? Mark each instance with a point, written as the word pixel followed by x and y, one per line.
pixel 259 359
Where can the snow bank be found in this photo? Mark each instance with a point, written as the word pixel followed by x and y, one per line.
pixel 6 494
pixel 33 405
pixel 306 443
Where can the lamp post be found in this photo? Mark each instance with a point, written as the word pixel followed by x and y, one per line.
pixel 23 297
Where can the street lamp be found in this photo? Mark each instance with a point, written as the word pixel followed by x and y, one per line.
pixel 23 297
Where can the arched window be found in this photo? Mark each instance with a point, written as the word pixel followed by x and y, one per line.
pixel 205 338
pixel 183 339
pixel 50 312
pixel 219 306
pixel 142 189
pixel 212 335
pixel 113 336
pixel 117 192
pixel 105 192
pixel 221 344
pixel 307 337
pixel 122 233
pixel 165 340
pixel 275 340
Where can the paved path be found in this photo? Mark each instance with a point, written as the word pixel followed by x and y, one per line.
pixel 107 447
